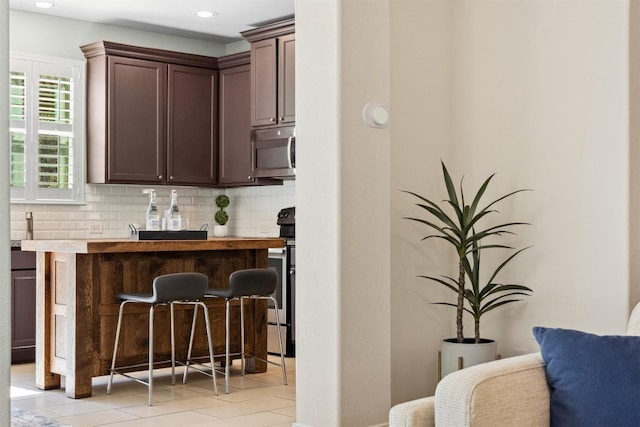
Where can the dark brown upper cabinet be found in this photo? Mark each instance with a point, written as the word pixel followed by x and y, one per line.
pixel 152 116
pixel 273 74
pixel 235 123
pixel 192 125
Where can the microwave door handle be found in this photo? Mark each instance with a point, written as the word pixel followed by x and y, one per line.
pixel 253 159
pixel 290 141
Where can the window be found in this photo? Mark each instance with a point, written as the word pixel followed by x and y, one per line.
pixel 46 131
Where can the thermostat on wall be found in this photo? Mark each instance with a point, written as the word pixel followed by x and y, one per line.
pixel 375 115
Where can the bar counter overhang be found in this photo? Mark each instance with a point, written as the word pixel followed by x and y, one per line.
pixel 77 308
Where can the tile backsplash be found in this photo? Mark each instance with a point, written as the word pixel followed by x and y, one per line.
pixel 108 210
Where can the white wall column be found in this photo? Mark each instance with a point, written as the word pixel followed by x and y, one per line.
pixel 5 283
pixel 342 203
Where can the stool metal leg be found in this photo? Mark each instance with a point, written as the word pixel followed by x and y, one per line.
pixel 284 371
pixel 210 342
pixel 242 359
pixel 150 385
pixel 173 345
pixel 227 359
pixel 115 346
pixel 193 330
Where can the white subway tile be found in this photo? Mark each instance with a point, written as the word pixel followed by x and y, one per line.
pixel 252 210
pixel 77 234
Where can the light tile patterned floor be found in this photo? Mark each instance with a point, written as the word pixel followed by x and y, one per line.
pixel 253 400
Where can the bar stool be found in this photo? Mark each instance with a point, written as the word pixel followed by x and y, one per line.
pixel 254 283
pixel 168 289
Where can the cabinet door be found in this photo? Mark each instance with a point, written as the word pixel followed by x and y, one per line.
pixel 263 83
pixel 235 125
pixel 23 315
pixel 287 79
pixel 192 125
pixel 136 120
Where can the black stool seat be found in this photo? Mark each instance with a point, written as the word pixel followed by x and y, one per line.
pixel 172 288
pixel 253 282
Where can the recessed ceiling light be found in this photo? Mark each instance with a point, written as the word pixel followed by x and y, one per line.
pixel 43 4
pixel 206 14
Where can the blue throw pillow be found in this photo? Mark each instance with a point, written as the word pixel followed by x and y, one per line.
pixel 594 380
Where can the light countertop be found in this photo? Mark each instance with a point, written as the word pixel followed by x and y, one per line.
pixel 128 245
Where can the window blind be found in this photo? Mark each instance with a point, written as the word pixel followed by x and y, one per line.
pixel 46 131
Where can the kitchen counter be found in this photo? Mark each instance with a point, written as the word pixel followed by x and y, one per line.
pixel 77 308
pixel 128 245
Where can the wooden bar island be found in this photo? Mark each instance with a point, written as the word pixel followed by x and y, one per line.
pixel 77 308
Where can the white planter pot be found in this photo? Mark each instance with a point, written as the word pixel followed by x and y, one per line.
pixel 220 230
pixel 470 352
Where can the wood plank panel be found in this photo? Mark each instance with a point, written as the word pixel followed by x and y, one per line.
pixel 46 378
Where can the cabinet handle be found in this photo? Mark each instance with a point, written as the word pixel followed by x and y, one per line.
pixel 159 176
pixel 272 119
pixel 249 177
pixel 281 119
pixel 171 178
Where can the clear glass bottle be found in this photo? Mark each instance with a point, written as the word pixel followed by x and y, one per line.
pixel 153 215
pixel 174 219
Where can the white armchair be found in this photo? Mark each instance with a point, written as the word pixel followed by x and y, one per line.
pixel 507 392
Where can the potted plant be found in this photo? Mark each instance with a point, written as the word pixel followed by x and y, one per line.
pixel 461 225
pixel 221 216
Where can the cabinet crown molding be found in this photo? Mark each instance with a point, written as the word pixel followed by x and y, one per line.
pixel 276 29
pixel 237 59
pixel 104 47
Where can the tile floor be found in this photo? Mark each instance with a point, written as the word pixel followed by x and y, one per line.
pixel 253 400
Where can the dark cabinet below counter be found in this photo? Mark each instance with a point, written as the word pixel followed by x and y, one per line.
pixel 23 306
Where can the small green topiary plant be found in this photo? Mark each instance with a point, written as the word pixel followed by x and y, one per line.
pixel 221 217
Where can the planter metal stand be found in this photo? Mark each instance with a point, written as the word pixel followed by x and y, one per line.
pixel 460 363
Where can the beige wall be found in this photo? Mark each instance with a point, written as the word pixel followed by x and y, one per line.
pixel 541 96
pixel 421 52
pixel 365 260
pixel 538 92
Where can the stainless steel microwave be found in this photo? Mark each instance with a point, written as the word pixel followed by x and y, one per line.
pixel 274 152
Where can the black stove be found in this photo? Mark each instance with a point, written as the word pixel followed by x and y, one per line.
pixel 284 262
pixel 287 222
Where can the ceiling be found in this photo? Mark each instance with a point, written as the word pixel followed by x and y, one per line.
pixel 175 17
